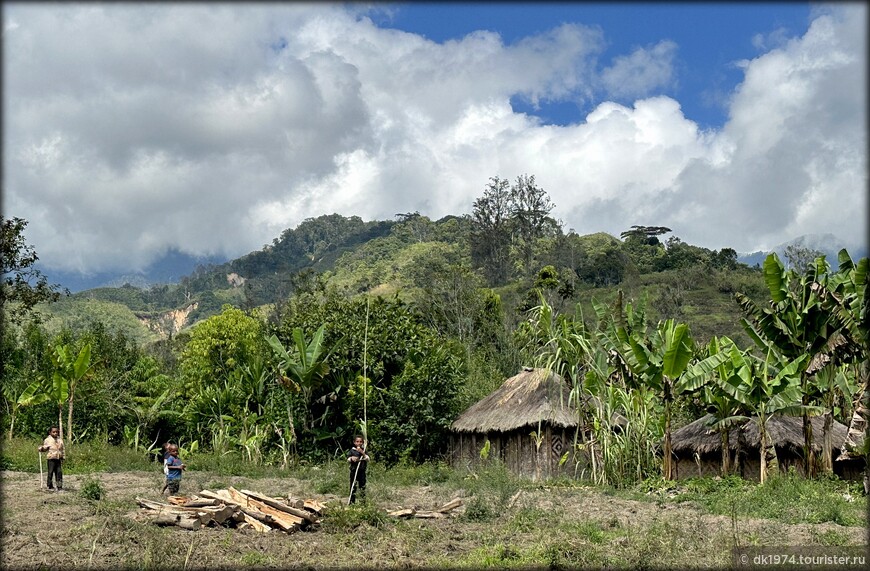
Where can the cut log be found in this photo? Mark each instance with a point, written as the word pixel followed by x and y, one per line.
pixel 219 495
pixel 301 514
pixel 402 513
pixel 237 497
pixel 451 505
pixel 429 515
pixel 255 524
pixel 313 505
pixel 294 502
pixel 201 502
pixel 220 513
pixel 180 520
pixel 177 500
pixel 288 522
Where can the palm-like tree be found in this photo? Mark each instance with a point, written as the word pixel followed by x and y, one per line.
pixel 796 324
pixel 846 295
pixel 304 365
pixel 722 407
pixel 69 369
pixel 766 388
pixel 660 361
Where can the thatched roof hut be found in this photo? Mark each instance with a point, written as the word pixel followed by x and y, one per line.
pixel 698 448
pixel 533 401
pixel 532 396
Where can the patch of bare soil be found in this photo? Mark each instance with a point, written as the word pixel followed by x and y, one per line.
pixel 42 529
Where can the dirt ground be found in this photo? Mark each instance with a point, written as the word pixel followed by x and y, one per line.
pixel 41 529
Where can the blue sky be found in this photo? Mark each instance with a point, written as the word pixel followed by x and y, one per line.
pixel 710 36
pixel 136 130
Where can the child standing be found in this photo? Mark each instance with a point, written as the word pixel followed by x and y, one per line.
pixel 174 468
pixel 54 446
pixel 358 460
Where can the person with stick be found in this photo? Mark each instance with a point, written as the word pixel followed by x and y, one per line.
pixel 54 446
pixel 358 460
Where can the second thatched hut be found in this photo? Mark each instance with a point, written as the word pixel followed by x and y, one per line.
pixel 698 449
pixel 528 423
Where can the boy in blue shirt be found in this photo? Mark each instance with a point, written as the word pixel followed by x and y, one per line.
pixel 174 468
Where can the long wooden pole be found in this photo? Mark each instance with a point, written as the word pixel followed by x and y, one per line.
pixel 365 387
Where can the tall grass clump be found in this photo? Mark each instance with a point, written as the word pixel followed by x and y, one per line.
pixel 492 486
pixel 625 436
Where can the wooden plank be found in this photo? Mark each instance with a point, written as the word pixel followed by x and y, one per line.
pixel 256 524
pixel 408 512
pixel 451 505
pixel 220 495
pixel 285 521
pixel 429 515
pixel 302 514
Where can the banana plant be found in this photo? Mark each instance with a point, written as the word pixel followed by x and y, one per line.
pixel 846 294
pixel 834 385
pixel 660 361
pixel 766 388
pixel 147 413
pixel 303 367
pixel 724 410
pixel 60 388
pixel 797 323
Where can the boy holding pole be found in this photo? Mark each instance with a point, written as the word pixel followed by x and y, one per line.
pixel 54 446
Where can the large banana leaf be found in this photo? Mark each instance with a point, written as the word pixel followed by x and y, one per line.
pixel 775 278
pixel 678 349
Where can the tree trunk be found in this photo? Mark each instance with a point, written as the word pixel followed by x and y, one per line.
pixel 769 461
pixel 60 419
pixel 726 454
pixel 69 415
pixel 668 461
pixel 828 444
pixel 809 463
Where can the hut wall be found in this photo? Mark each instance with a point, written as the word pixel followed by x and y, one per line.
pixel 851 470
pixel 518 451
pixel 705 465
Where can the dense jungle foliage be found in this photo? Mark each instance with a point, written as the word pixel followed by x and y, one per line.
pixel 392 328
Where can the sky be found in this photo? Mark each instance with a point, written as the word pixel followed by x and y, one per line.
pixel 131 130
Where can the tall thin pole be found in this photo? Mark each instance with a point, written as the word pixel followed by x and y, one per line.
pixel 365 390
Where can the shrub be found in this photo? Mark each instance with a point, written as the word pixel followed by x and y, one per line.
pixel 92 489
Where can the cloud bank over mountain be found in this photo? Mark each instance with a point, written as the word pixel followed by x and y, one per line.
pixel 133 130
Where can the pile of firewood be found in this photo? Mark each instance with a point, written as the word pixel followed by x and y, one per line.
pixel 242 509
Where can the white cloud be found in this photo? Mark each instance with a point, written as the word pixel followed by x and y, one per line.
pixel 642 72
pixel 212 128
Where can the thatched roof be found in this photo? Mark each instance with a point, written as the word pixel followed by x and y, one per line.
pixel 785 432
pixel 532 396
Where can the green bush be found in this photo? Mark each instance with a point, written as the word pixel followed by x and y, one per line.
pixel 348 518
pixel 92 489
pixel 478 509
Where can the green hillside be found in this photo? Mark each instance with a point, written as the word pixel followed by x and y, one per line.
pixel 408 257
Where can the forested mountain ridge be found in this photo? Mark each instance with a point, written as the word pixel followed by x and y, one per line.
pixel 411 255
